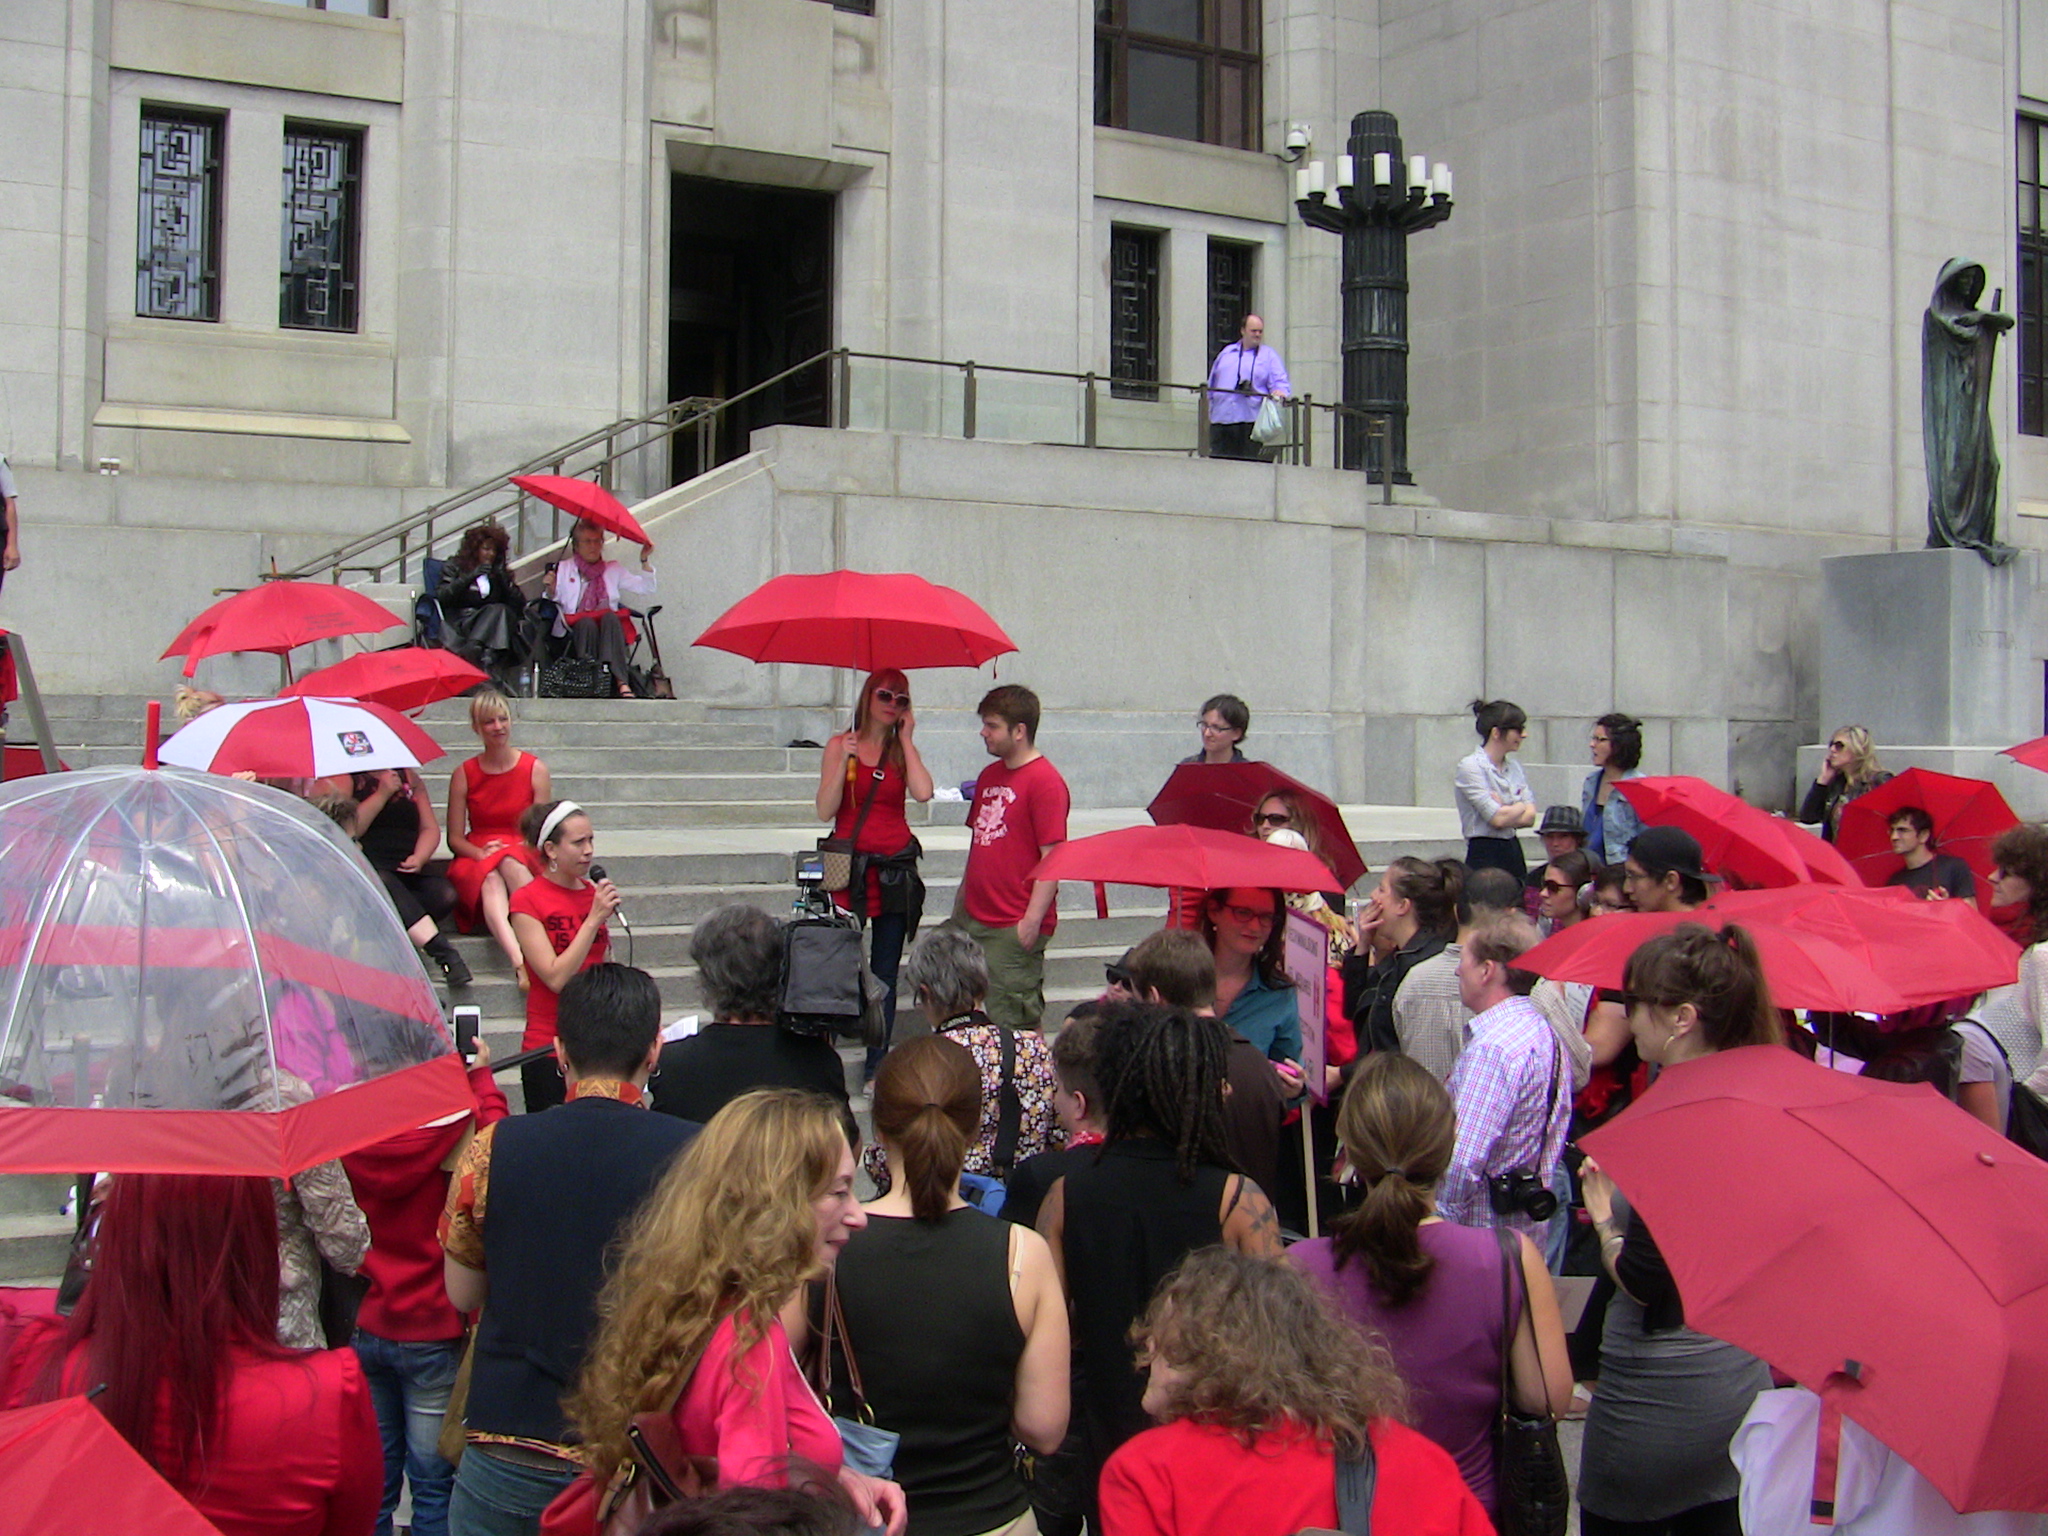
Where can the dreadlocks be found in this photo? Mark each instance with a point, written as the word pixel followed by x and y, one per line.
pixel 1161 1071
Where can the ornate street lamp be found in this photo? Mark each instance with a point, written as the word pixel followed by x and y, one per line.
pixel 1375 213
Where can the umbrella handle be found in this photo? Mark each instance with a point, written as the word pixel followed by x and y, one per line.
pixel 152 729
pixel 1101 901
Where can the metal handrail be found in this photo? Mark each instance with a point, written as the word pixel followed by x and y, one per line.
pixel 416 533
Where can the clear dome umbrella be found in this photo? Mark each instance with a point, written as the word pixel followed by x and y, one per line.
pixel 201 975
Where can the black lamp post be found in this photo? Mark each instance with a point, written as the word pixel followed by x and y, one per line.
pixel 1375 201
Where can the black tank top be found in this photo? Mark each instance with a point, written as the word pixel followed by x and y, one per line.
pixel 388 840
pixel 1129 1220
pixel 933 1325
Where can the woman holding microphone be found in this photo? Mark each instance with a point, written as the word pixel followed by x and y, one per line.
pixel 867 775
pixel 559 920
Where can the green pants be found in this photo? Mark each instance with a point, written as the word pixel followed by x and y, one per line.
pixel 1016 975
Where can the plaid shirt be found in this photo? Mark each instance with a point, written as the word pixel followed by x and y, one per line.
pixel 1513 1095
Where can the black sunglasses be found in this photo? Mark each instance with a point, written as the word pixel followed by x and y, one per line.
pixel 1271 819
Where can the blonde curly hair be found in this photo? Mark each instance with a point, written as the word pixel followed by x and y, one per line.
pixel 729 1230
pixel 1257 1343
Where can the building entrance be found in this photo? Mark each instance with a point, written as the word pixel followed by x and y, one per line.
pixel 750 294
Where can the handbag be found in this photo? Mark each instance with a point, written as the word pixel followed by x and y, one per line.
pixel 1271 424
pixel 655 1474
pixel 868 1447
pixel 1533 1494
pixel 576 677
pixel 837 852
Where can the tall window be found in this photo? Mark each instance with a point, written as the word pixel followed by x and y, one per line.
pixel 1134 312
pixel 1230 291
pixel 177 223
pixel 2032 311
pixel 322 209
pixel 1187 69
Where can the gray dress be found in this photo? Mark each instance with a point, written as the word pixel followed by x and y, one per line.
pixel 1667 1405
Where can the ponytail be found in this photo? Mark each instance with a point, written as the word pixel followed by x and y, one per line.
pixel 1718 972
pixel 1398 1132
pixel 927 1111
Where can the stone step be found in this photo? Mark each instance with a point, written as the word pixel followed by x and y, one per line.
pixel 33 1194
pixel 681 757
pixel 33 1249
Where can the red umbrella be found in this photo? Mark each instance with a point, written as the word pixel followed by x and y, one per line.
pixel 1737 840
pixel 277 617
pixel 63 1467
pixel 1845 949
pixel 1967 815
pixel 410 677
pixel 588 500
pixel 1870 1240
pixel 1804 970
pixel 1191 858
pixel 2030 754
pixel 1224 795
pixel 861 620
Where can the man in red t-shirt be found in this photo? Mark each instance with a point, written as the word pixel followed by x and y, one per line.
pixel 1019 814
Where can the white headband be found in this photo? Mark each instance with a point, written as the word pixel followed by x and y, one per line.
pixel 556 817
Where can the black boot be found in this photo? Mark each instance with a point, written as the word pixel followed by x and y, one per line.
pixel 454 970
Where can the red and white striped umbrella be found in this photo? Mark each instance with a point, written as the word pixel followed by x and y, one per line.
pixel 300 739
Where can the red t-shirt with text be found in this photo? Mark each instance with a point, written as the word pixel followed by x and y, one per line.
pixel 561 913
pixel 1018 814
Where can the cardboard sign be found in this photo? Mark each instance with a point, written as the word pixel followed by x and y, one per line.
pixel 1305 955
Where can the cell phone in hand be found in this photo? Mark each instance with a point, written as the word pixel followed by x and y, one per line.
pixel 468 1020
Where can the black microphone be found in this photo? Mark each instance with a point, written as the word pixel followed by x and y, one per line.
pixel 596 874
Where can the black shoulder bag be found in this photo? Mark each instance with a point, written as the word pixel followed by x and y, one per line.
pixel 1528 1467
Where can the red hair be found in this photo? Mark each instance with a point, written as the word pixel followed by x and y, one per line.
pixel 185 1271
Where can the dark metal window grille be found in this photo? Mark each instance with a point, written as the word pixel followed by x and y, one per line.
pixel 2032 310
pixel 1230 291
pixel 177 224
pixel 322 184
pixel 858 7
pixel 1186 69
pixel 1133 311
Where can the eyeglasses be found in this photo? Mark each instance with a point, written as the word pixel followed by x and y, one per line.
pixel 1211 728
pixel 890 696
pixel 1634 876
pixel 1271 819
pixel 1557 887
pixel 1248 915
pixel 1838 746
pixel 1116 977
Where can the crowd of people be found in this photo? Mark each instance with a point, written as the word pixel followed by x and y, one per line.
pixel 1080 1295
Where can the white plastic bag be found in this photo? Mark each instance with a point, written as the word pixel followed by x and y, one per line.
pixel 1271 426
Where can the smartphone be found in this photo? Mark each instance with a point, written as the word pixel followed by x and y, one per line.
pixel 468 1019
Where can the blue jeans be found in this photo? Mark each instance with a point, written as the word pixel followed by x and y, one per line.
pixel 409 1386
pixel 494 1497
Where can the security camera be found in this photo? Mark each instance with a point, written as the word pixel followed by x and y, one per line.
pixel 1297 137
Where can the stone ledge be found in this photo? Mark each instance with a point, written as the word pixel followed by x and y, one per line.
pixel 173 418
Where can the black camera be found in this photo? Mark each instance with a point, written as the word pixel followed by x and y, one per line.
pixel 1520 1193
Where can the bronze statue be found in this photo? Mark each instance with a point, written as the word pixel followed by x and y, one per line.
pixel 1957 344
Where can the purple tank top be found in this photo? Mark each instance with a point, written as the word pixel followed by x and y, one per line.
pixel 1447 1341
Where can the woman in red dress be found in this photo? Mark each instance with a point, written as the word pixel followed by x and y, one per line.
pixel 876 765
pixel 560 921
pixel 486 797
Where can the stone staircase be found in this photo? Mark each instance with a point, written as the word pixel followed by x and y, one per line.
pixel 694 806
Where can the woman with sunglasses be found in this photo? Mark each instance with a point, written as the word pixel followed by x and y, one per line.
pixel 1563 881
pixel 1849 769
pixel 1254 997
pixel 866 778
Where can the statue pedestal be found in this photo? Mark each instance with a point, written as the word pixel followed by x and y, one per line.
pixel 1936 652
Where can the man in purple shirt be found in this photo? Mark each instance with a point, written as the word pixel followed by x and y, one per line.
pixel 1243 372
pixel 1510 1085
